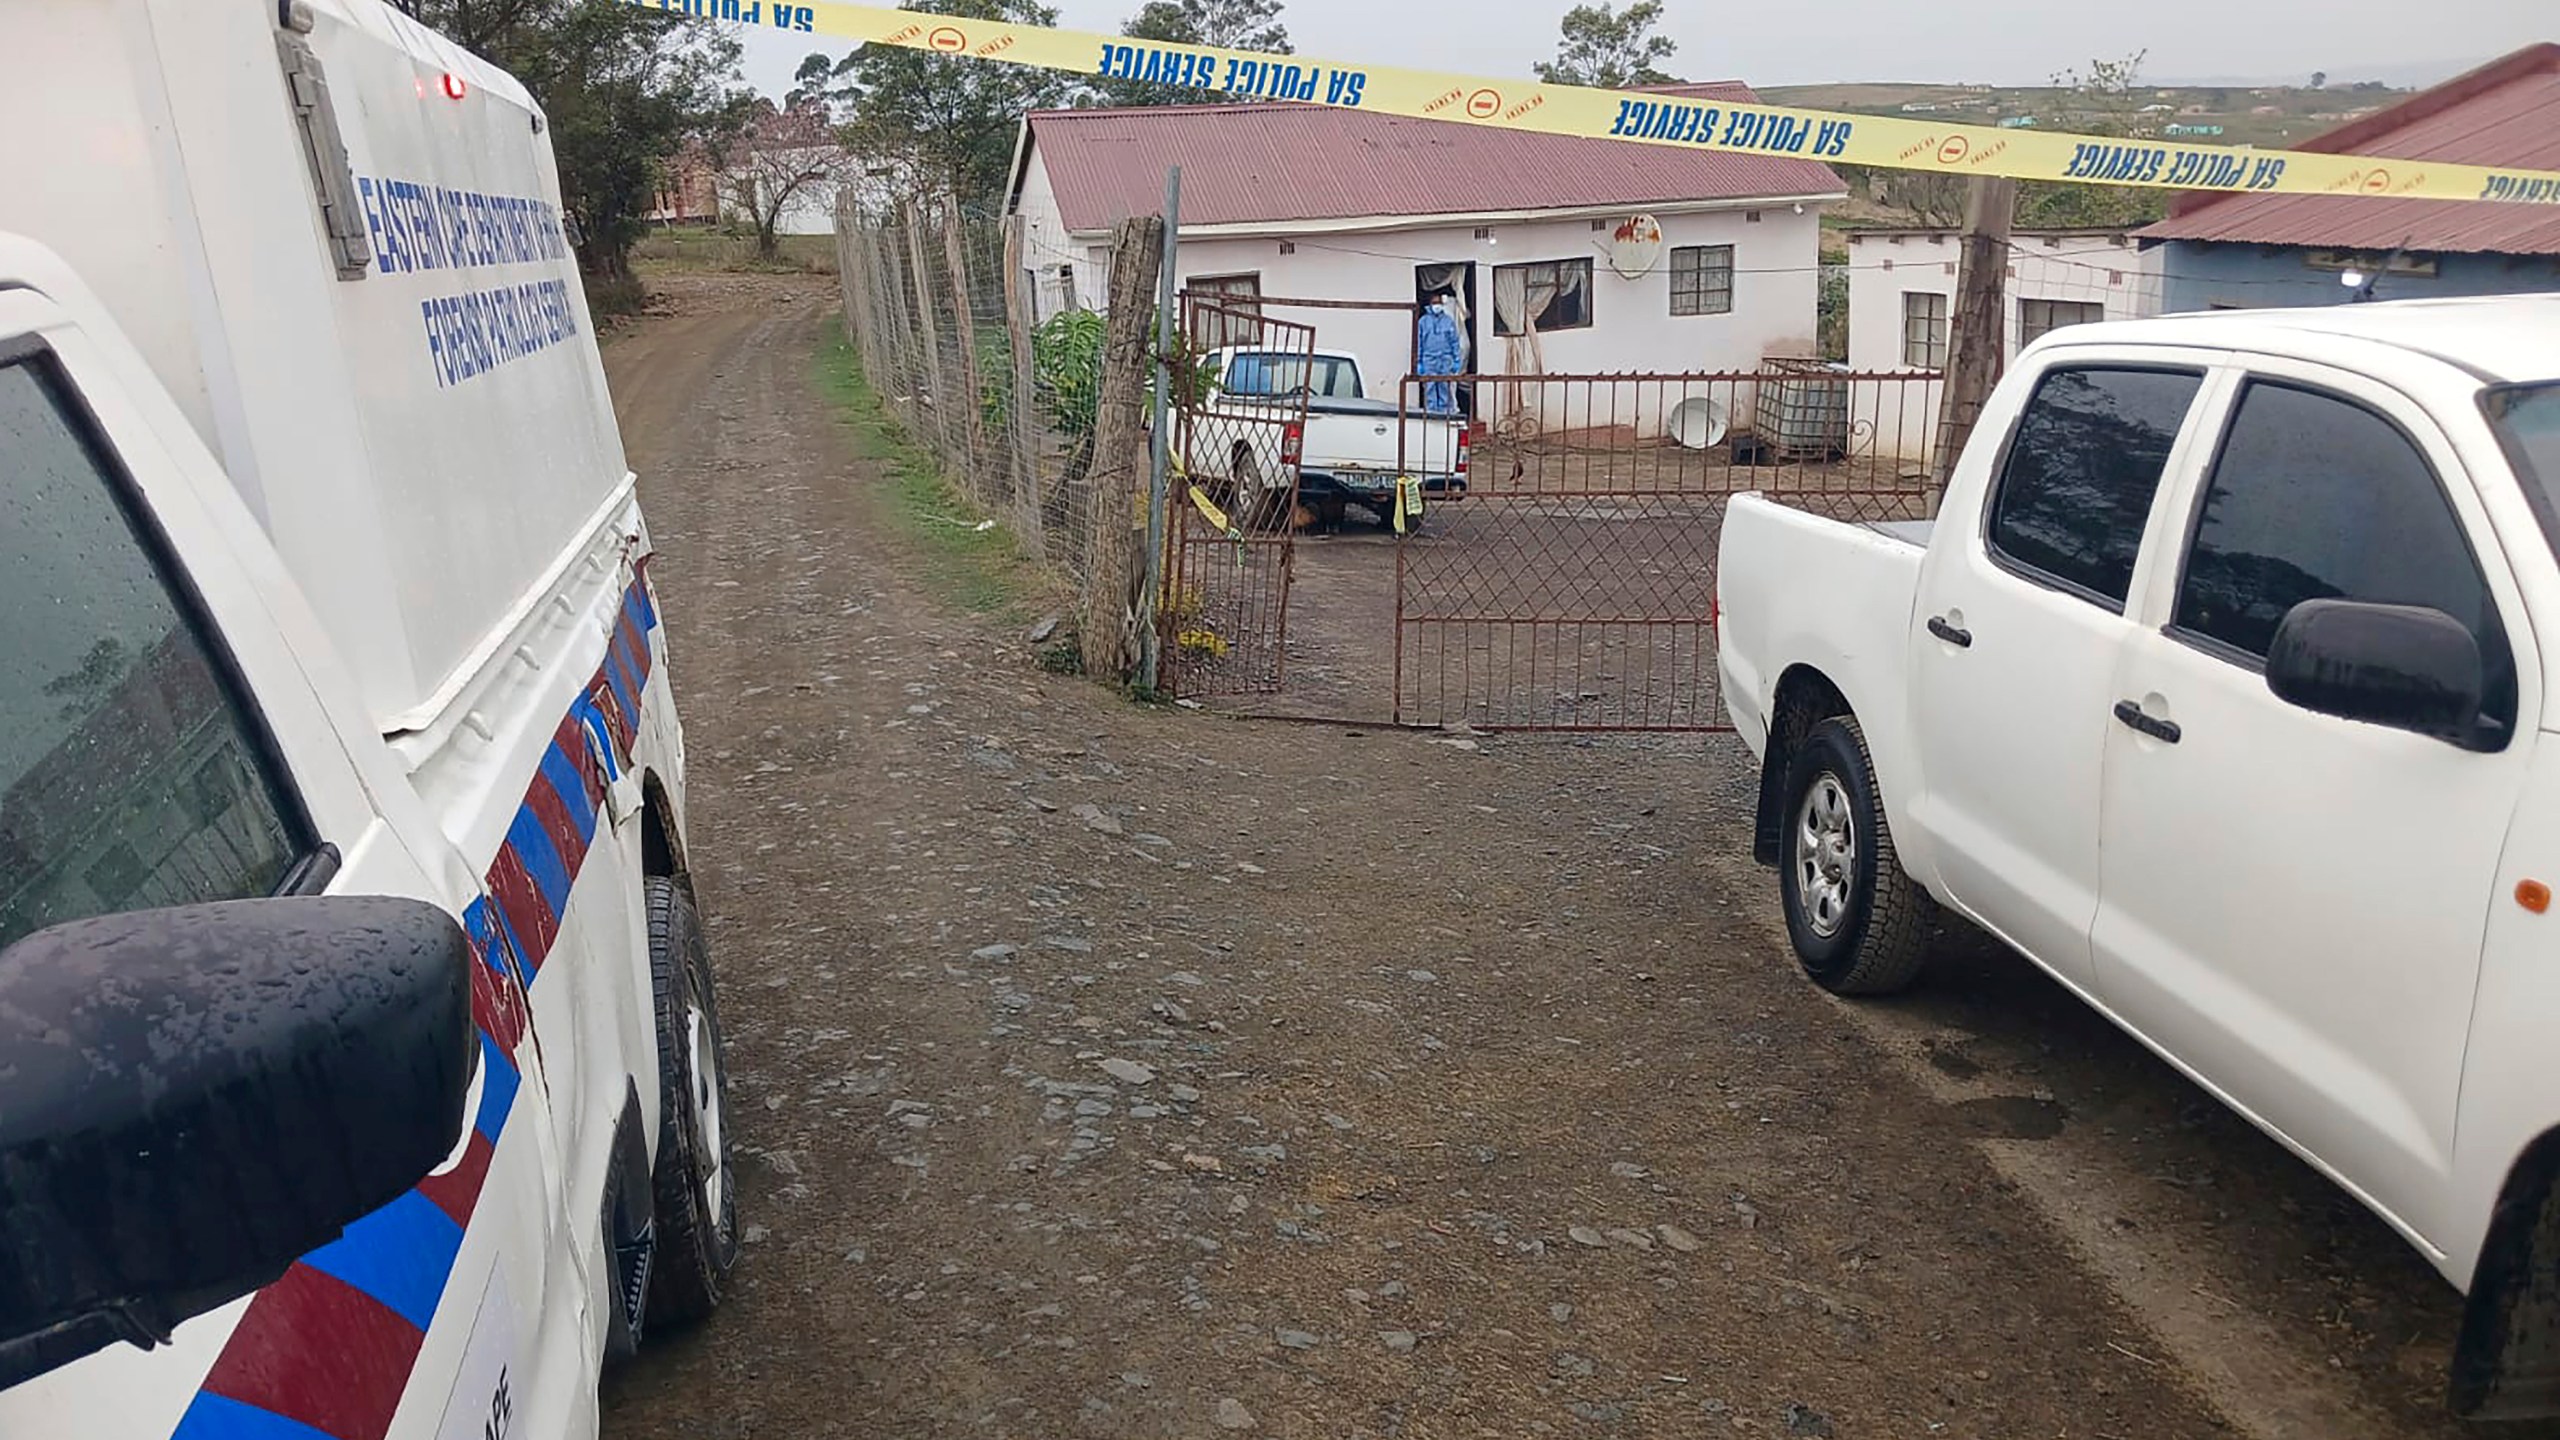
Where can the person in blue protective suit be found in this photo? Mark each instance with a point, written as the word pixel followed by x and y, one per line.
pixel 1439 349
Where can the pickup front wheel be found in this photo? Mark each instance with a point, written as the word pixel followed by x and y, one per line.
pixel 1860 924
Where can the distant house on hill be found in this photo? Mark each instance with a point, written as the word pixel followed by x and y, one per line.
pixel 689 193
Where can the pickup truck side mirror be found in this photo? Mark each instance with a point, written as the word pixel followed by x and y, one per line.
pixel 192 1099
pixel 2404 666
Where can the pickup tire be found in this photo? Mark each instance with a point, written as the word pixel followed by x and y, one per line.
pixel 1860 924
pixel 692 1183
pixel 1256 508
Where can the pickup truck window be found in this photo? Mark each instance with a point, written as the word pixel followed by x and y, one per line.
pixel 131 776
pixel 1259 372
pixel 2076 486
pixel 2315 497
pixel 2527 418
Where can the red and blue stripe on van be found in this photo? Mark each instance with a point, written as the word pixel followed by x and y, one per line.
pixel 326 1352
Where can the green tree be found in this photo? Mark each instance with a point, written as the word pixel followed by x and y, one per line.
pixel 2105 100
pixel 1223 24
pixel 624 89
pixel 809 83
pixel 1610 49
pixel 943 126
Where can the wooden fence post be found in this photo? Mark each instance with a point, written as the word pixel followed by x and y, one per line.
pixel 936 395
pixel 1120 454
pixel 853 261
pixel 1030 516
pixel 970 381
pixel 1978 334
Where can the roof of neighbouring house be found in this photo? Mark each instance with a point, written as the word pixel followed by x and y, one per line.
pixel 1248 164
pixel 2504 113
pixel 1854 233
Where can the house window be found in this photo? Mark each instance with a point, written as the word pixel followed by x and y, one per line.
pixel 1702 280
pixel 1924 329
pixel 1543 297
pixel 2038 318
pixel 1227 311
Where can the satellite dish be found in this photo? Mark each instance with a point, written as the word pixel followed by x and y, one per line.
pixel 1697 423
pixel 1636 247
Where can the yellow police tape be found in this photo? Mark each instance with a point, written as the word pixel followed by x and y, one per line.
pixel 1650 118
pixel 1216 517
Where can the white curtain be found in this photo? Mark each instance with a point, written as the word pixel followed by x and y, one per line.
pixel 1574 281
pixel 1511 302
pixel 1521 352
pixel 1466 341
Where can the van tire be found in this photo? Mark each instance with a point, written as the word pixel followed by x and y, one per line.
pixel 1860 924
pixel 693 1182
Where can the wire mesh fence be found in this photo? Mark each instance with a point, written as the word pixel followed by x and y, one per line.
pixel 944 311
pixel 1573 588
pixel 1569 585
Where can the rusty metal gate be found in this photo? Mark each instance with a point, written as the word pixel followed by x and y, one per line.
pixel 1229 531
pixel 1572 585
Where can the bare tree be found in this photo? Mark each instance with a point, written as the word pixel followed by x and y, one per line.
pixel 781 159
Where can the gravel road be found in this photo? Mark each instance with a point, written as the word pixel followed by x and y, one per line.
pixel 1105 1071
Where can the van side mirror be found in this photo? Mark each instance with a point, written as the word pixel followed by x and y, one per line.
pixel 192 1099
pixel 2404 666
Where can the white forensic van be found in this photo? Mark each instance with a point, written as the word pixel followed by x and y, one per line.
pixel 359 1068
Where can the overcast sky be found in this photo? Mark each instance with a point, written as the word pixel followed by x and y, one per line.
pixel 1945 41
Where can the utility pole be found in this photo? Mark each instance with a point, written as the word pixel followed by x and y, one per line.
pixel 1977 342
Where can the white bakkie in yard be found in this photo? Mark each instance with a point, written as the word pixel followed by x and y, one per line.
pixel 359 1066
pixel 1351 446
pixel 2224 687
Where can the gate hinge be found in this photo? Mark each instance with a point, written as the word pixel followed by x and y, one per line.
pixel 324 146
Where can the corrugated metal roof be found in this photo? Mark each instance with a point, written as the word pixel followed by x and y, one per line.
pixel 2504 113
pixel 1276 163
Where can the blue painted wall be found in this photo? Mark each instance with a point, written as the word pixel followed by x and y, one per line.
pixel 2196 276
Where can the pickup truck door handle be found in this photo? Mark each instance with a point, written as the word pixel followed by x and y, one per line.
pixel 1961 639
pixel 2164 731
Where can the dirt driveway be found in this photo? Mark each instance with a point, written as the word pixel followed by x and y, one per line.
pixel 1112 1072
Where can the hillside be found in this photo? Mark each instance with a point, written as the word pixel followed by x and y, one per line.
pixel 2272 116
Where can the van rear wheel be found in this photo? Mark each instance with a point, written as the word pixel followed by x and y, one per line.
pixel 697 1203
pixel 1860 924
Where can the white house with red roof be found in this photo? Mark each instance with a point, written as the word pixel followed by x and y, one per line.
pixel 1319 203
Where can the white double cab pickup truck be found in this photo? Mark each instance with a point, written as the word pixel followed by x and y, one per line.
pixel 1351 447
pixel 2223 687
pixel 359 1066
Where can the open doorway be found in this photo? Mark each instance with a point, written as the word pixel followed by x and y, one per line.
pixel 1458 279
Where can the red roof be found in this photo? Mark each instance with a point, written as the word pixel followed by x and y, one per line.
pixel 1271 163
pixel 2506 113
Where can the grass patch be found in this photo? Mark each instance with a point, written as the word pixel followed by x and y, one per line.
pixel 698 248
pixel 970 563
